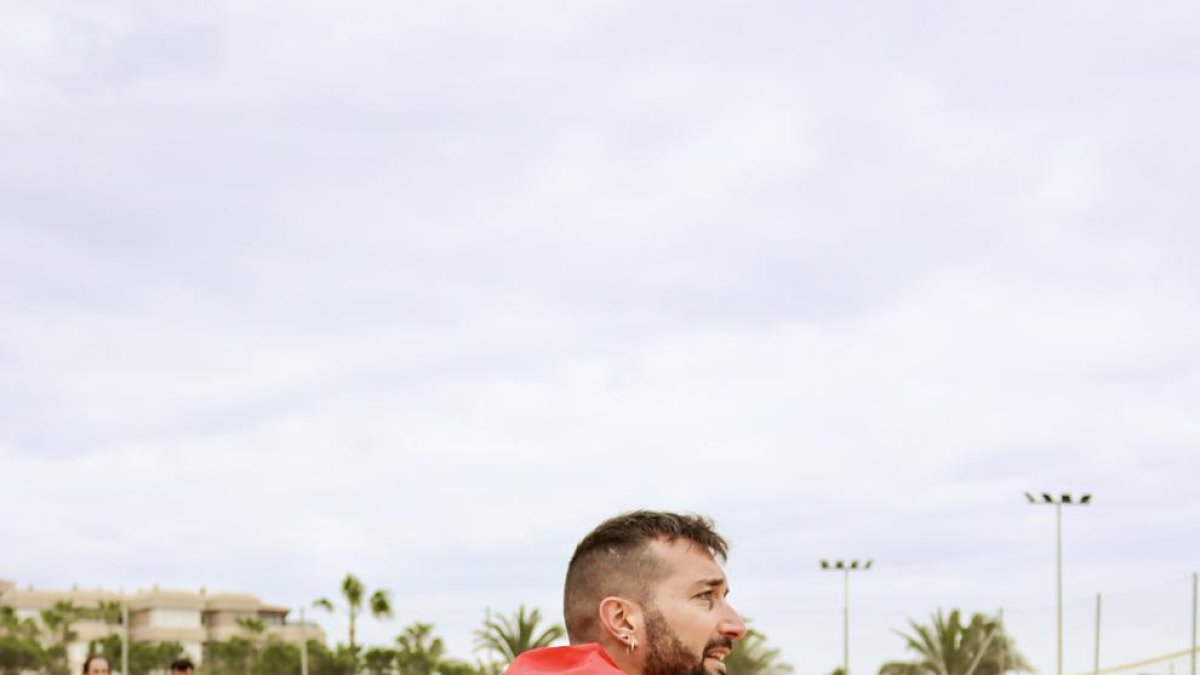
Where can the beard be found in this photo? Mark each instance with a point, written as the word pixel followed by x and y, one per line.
pixel 665 652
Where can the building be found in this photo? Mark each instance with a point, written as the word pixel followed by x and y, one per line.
pixel 160 615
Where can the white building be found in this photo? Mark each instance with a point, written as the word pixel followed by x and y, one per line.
pixel 158 615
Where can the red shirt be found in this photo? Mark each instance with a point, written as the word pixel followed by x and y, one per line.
pixel 589 659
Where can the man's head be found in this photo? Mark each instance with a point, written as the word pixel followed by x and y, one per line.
pixel 647 586
pixel 183 667
pixel 96 664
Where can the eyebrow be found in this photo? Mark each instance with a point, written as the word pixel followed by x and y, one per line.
pixel 713 582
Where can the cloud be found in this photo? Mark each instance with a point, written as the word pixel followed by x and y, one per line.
pixel 425 292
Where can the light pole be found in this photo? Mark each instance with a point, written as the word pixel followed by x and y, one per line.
pixel 1058 503
pixel 1195 599
pixel 303 644
pixel 124 636
pixel 845 567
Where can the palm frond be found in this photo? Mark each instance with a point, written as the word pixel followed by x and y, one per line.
pixel 380 605
pixel 352 590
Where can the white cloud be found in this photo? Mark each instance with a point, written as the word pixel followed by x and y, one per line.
pixel 425 292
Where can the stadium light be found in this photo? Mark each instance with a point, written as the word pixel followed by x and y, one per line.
pixel 845 568
pixel 1058 503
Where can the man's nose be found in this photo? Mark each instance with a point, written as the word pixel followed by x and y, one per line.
pixel 733 626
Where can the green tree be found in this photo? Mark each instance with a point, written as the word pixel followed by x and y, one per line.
pixel 144 657
pixel 60 620
pixel 235 655
pixel 277 658
pixel 105 611
pixel 490 668
pixel 947 646
pixel 419 651
pixel 109 613
pixel 109 646
pixel 323 661
pixel 18 655
pixel 379 661
pixel 252 628
pixel 12 624
pixel 752 656
pixel 459 667
pixel 379 604
pixel 20 648
pixel 506 637
pixel 149 657
pixel 19 651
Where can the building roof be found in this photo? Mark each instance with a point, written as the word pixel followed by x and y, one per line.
pixel 152 598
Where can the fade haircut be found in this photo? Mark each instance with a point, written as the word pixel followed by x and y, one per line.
pixel 615 560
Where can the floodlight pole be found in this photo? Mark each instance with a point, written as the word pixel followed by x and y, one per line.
pixel 846 623
pixel 1096 660
pixel 1195 584
pixel 1058 504
pixel 845 568
pixel 1058 565
pixel 124 637
pixel 303 644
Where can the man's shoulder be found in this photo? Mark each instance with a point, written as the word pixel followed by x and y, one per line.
pixel 589 659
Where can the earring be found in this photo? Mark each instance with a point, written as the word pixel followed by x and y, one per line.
pixel 631 643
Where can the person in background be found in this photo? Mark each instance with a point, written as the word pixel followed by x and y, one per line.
pixel 96 664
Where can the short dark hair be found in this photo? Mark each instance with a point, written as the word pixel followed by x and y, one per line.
pixel 92 657
pixel 183 664
pixel 613 559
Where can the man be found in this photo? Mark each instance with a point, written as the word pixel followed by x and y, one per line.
pixel 183 667
pixel 644 595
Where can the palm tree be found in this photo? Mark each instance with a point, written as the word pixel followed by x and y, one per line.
pixel 59 621
pixel 106 611
pixel 253 627
pixel 20 649
pixel 18 655
pixel 949 647
pixel 507 637
pixel 13 625
pixel 379 604
pixel 379 661
pixel 751 656
pixel 419 651
pixel 235 655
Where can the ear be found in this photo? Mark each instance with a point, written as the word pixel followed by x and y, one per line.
pixel 619 617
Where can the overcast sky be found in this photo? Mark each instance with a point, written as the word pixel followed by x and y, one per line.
pixel 423 291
